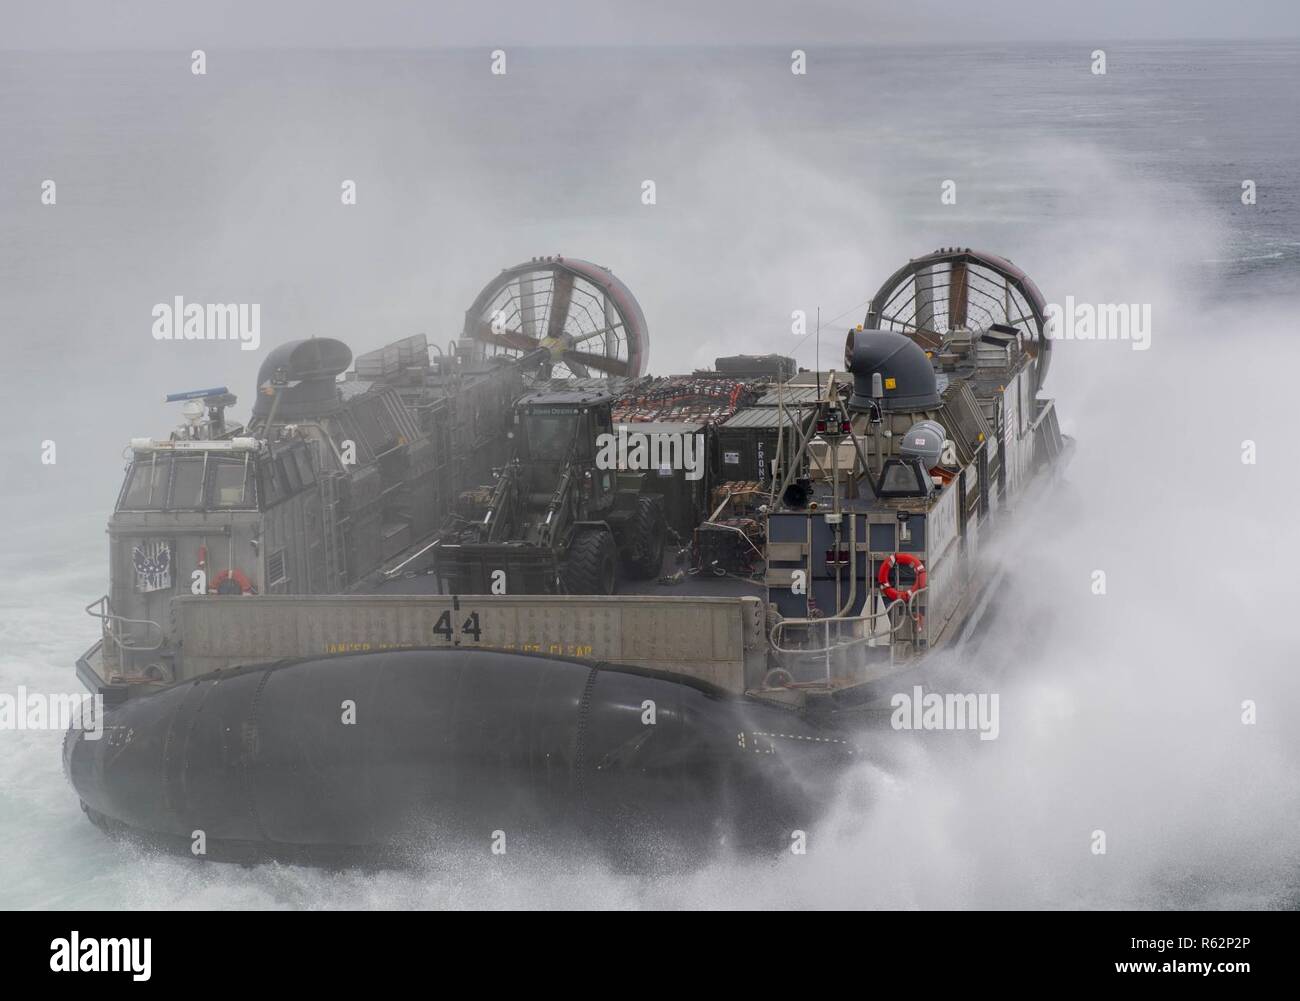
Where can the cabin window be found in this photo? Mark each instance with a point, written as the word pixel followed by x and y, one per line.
pixel 586 441
pixel 304 467
pixel 147 484
pixel 187 482
pixel 271 492
pixel 550 435
pixel 232 483
pixel 288 472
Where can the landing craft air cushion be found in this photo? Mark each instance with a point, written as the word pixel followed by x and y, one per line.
pixel 318 643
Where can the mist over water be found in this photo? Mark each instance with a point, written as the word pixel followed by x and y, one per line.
pixel 1119 712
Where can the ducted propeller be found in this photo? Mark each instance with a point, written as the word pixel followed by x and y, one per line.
pixel 562 317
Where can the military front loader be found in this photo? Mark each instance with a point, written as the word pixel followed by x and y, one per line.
pixel 555 521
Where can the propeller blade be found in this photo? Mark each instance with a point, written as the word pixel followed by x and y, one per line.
pixel 512 339
pixel 606 332
pixel 610 366
pixel 578 369
pixel 561 298
pixel 930 340
pixel 924 308
pixel 957 295
pixel 611 319
pixel 527 306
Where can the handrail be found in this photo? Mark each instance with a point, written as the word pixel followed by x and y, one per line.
pixel 887 612
pixel 109 620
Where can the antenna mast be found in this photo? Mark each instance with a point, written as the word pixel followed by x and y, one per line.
pixel 817 363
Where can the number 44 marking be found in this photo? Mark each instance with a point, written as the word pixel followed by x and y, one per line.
pixel 470 627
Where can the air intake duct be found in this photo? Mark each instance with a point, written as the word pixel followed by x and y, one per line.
pixel 302 375
pixel 906 375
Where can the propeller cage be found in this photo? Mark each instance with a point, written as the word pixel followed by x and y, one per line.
pixel 563 317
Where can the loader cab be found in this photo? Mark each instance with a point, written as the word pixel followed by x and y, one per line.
pixel 548 434
pixel 565 512
pixel 554 430
pixel 548 425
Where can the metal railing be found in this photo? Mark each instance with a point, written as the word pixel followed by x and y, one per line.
pixel 116 628
pixel 826 622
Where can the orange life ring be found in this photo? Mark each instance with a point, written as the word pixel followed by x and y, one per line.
pixel 238 576
pixel 907 559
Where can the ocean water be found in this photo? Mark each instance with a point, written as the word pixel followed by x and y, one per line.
pixel 775 192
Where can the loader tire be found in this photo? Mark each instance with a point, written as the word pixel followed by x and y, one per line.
pixel 592 564
pixel 647 536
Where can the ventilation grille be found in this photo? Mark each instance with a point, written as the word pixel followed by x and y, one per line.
pixel 275 569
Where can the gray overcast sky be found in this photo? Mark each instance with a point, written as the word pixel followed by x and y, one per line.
pixel 117 24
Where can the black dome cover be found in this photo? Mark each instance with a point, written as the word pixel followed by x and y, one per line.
pixel 905 372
